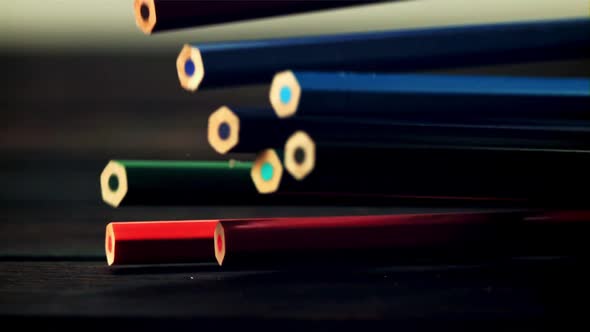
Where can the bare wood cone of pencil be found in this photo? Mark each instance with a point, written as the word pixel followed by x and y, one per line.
pixel 267 171
pixel 190 68
pixel 223 130
pixel 300 155
pixel 285 93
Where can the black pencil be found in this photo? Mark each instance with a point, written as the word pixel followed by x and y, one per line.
pixel 421 97
pixel 533 178
pixel 233 63
pixel 162 15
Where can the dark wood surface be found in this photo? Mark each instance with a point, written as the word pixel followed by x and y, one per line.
pixel 63 117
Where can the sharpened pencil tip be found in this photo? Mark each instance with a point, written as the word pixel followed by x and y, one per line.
pixel 267 171
pixel 224 131
pixel 110 243
pixel 285 94
pixel 299 155
pixel 144 11
pixel 113 183
pixel 189 67
pixel 219 243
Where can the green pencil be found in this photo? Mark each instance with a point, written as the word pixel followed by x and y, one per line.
pixel 154 182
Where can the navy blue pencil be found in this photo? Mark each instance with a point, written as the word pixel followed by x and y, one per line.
pixel 472 99
pixel 244 62
pixel 252 130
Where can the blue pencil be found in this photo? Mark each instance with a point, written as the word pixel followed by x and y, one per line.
pixel 438 98
pixel 244 62
pixel 252 130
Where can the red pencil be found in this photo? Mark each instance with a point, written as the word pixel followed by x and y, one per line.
pixel 355 239
pixel 159 242
pixel 400 237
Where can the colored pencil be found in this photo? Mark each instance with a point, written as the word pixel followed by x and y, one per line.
pixel 154 182
pixel 446 98
pixel 356 238
pixel 161 15
pixel 159 242
pixel 561 141
pixel 243 62
pixel 267 176
pixel 246 130
pixel 532 178
pixel 368 239
pixel 198 183
pixel 252 130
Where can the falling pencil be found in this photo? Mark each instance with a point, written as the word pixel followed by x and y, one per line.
pixel 153 182
pixel 245 62
pixel 161 15
pixel 246 130
pixel 252 130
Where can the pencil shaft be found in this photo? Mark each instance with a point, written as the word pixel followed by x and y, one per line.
pixel 160 242
pixel 387 238
pixel 196 183
pixel 534 178
pixel 400 50
pixel 443 98
pixel 174 14
pixel 259 129
pixel 145 182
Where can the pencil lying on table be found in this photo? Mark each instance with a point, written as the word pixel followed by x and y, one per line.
pixel 203 241
pixel 395 238
pixel 159 242
pixel 234 63
pixel 438 98
pixel 533 178
pixel 162 15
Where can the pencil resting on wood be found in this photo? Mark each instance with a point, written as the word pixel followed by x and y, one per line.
pixel 159 242
pixel 353 240
pixel 439 98
pixel 190 241
pixel 161 15
pixel 257 61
